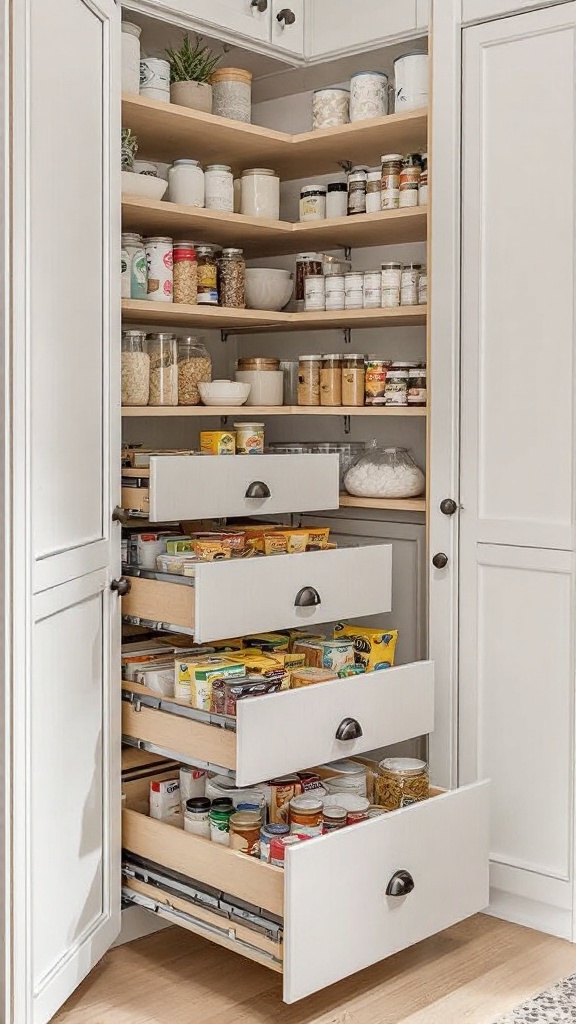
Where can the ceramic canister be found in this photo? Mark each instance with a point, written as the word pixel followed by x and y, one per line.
pixel 155 79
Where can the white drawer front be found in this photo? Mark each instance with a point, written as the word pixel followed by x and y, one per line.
pixel 338 918
pixel 284 732
pixel 189 487
pixel 258 595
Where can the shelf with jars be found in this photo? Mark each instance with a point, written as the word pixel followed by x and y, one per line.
pixel 272 410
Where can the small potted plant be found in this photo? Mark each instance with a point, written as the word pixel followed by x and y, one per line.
pixel 190 69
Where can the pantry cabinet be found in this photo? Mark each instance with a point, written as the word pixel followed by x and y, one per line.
pixel 334 29
pixel 239 18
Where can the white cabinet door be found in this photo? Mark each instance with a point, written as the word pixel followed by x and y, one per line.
pixel 287 26
pixel 517 465
pixel 64 417
pixel 339 27
pixel 423 12
pixel 237 17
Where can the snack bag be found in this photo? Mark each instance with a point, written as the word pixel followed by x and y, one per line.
pixel 373 648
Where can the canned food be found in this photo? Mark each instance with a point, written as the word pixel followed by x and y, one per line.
pixel 278 847
pixel 282 792
pixel 375 380
pixel 306 815
pixel 267 834
pixel 333 818
pixel 249 438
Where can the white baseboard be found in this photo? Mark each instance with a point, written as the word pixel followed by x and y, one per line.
pixel 136 923
pixel 532 914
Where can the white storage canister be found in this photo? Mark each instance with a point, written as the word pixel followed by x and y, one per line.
pixel 330 107
pixel 410 82
pixel 312 202
pixel 186 183
pixel 160 262
pixel 232 93
pixel 197 816
pixel 374 190
pixel 314 293
pixel 260 193
pixel 368 95
pixel 131 57
pixel 391 283
pixel 155 79
pixel 354 288
pixel 219 188
pixel 336 199
pixel 409 284
pixel 372 298
pixel 335 293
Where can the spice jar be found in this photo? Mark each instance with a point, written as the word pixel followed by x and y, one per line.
pixel 159 261
pixel 368 95
pixel 331 380
pixel 267 834
pixel 309 380
pixel 207 276
pixel 135 369
pixel 330 107
pixel 186 183
pixel 220 823
pixel 232 279
pixel 137 266
pixel 391 284
pixel 335 291
pixel 357 180
pixel 353 378
pixel 185 273
pixel 391 167
pixel 245 832
pixel 219 188
pixel 194 367
pixel 308 264
pixel 423 287
pixel 409 284
pixel 163 352
pixel 374 190
pixel 197 816
pixel 375 381
pixel 354 290
pixel 410 181
pixel 423 189
pixel 314 293
pixel 260 193
pixel 306 815
pixel 372 289
pixel 333 817
pixel 232 94
pixel 396 390
pixel 312 202
pixel 336 199
pixel 417 386
pixel 401 781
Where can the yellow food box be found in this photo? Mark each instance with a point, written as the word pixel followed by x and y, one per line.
pixel 373 648
pixel 193 678
pixel 267 641
pixel 218 442
pixel 269 664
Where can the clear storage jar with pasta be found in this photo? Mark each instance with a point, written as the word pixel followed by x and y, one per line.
pixel 185 273
pixel 163 352
pixel 401 781
pixel 309 380
pixel 331 380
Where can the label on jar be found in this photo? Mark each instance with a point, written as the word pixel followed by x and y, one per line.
pixel 249 441
pixel 357 197
pixel 313 207
pixel 396 392
pixel 390 198
pixel 375 383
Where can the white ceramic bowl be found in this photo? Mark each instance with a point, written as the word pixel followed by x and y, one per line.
pixel 143 185
pixel 268 289
pixel 224 392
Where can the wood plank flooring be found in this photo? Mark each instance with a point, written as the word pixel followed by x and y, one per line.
pixel 469 974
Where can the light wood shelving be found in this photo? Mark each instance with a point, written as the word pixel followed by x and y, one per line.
pixel 142 311
pixel 384 504
pixel 167 132
pixel 154 411
pixel 260 237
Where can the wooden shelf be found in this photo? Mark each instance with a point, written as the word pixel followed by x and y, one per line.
pixel 263 410
pixel 384 504
pixel 167 132
pixel 260 237
pixel 172 314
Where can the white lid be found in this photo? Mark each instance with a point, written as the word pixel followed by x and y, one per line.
pixel 260 170
pixel 347 767
pixel 317 256
pixel 403 765
pixel 392 156
pixel 193 163
pixel 250 424
pixel 131 29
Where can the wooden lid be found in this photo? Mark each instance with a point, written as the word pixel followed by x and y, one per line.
pixel 231 75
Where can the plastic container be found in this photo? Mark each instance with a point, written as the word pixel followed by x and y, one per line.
pixel 186 183
pixel 353 379
pixel 309 379
pixel 401 781
pixel 385 473
pixel 207 276
pixel 135 369
pixel 194 367
pixel 391 284
pixel 163 352
pixel 232 94
pixel 131 57
pixel 410 176
pixel 260 193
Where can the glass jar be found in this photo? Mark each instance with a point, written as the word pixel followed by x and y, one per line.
pixel 159 262
pixel 331 380
pixel 194 367
pixel 374 190
pixel 197 816
pixel 396 391
pixel 220 823
pixel 135 369
pixel 131 57
pixel 330 107
pixel 309 380
pixel 409 284
pixel 410 180
pixel 333 817
pixel 207 276
pixel 186 183
pixel 354 290
pixel 306 815
pixel 308 264
pixel 423 190
pixel 138 268
pixel 423 287
pixel 368 95
pixel 232 94
pixel 219 188
pixel 260 193
pixel 185 273
pixel 357 180
pixel 314 293
pixel 335 291
pixel 163 352
pixel 375 381
pixel 401 781
pixel 391 167
pixel 232 279
pixel 417 386
pixel 353 377
pixel 245 832
pixel 336 199
pixel 312 202
pixel 391 284
pixel 372 289
pixel 290 382
pixel 385 473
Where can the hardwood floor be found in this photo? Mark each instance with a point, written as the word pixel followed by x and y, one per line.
pixel 469 974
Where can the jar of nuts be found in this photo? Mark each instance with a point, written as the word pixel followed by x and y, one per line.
pixel 232 278
pixel 194 367
pixel 401 781
pixel 135 369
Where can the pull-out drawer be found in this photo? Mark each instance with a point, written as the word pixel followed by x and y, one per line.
pixel 204 487
pixel 351 898
pixel 278 733
pixel 256 595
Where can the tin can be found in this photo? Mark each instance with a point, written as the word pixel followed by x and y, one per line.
pixel 249 438
pixel 278 847
pixel 281 793
pixel 306 815
pixel 375 380
pixel 267 834
pixel 333 818
pixel 159 262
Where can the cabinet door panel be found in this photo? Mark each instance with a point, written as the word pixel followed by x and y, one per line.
pixel 336 27
pixel 240 17
pixel 285 36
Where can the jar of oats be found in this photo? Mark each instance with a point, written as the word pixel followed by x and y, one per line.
pixel 135 369
pixel 232 279
pixel 185 273
pixel 163 352
pixel 194 367
pixel 401 781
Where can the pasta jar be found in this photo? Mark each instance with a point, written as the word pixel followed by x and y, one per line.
pixel 260 193
pixel 220 823
pixel 163 352
pixel 372 289
pixel 219 188
pixel 375 380
pixel 197 816
pixel 185 272
pixel 314 293
pixel 232 279
pixel 335 291
pixel 374 190
pixel 135 369
pixel 391 284
pixel 353 379
pixel 138 267
pixel 336 199
pixel 423 189
pixel 309 380
pixel 267 834
pixel 417 386
pixel 423 287
pixel 354 289
pixel 155 79
pixel 207 276
pixel 410 181
pixel 232 94
pixel 194 368
pixel 186 183
pixel 131 57
pixel 330 107
pixel 159 261
pixel 357 180
pixel 308 264
pixel 312 202
pixel 249 438
pixel 396 390
pixel 306 816
pixel 331 380
pixel 391 167
pixel 368 95
pixel 409 284
pixel 333 817
pixel 245 832
pixel 401 781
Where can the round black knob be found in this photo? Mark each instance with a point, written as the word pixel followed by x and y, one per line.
pixel 257 489
pixel 448 507
pixel 121 586
pixel 287 16
pixel 349 729
pixel 120 515
pixel 307 598
pixel 400 884
pixel 260 5
pixel 440 561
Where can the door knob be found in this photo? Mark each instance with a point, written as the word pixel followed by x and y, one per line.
pixel 448 507
pixel 307 598
pixel 440 561
pixel 121 586
pixel 287 16
pixel 257 489
pixel 120 515
pixel 400 884
pixel 260 5
pixel 349 729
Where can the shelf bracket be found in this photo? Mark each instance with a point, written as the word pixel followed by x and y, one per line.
pixel 348 252
pixel 224 335
pixel 346 165
pixel 346 424
pixel 347 332
pixel 223 421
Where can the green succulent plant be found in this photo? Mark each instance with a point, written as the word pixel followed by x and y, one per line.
pixel 191 63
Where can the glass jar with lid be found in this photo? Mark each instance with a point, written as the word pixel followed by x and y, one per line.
pixel 219 188
pixel 401 781
pixel 309 379
pixel 232 94
pixel 185 272
pixel 260 195
pixel 357 180
pixel 245 832
pixel 135 369
pixel 390 191
pixel 391 284
pixel 186 183
pixel 308 264
pixel 232 279
pixel 353 378
pixel 385 473
pixel 312 202
pixel 207 275
pixel 163 352
pixel 194 368
pixel 410 282
pixel 331 380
